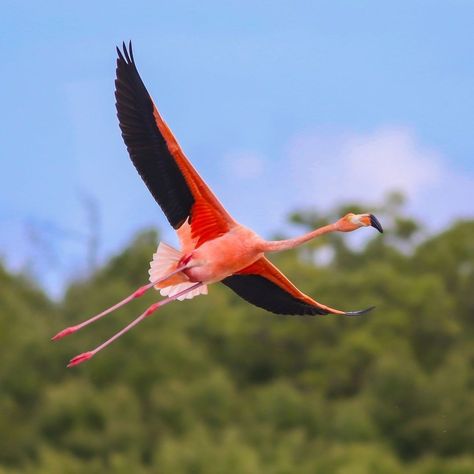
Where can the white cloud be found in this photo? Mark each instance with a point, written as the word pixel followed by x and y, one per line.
pixel 391 159
pixel 244 164
pixel 331 168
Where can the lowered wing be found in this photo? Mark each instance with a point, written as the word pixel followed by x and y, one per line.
pixel 263 285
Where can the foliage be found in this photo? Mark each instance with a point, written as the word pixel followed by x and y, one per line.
pixel 218 386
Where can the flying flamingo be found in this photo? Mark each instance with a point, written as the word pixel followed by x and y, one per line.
pixel 214 247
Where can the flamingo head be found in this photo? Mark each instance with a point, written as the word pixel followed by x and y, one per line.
pixel 352 222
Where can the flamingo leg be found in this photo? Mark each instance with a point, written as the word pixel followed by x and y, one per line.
pixel 87 355
pixel 136 294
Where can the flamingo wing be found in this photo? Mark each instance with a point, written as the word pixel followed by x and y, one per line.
pixel 181 193
pixel 263 285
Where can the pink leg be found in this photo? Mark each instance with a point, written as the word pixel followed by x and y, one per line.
pixel 87 355
pixel 135 294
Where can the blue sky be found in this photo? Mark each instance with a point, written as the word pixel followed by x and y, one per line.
pixel 278 104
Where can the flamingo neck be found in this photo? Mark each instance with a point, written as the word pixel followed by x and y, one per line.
pixel 279 245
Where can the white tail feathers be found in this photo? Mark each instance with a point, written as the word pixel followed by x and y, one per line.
pixel 172 290
pixel 164 262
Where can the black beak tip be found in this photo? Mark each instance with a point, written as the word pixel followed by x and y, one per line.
pixel 374 222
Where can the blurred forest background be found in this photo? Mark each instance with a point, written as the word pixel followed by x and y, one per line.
pixel 215 385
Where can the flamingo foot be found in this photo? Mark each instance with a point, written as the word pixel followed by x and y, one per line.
pixel 65 332
pixel 79 359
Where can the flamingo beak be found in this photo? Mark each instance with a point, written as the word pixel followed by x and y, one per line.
pixel 374 222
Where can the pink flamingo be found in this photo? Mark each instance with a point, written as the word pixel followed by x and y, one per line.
pixel 214 247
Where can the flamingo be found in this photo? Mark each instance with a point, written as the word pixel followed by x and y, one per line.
pixel 214 247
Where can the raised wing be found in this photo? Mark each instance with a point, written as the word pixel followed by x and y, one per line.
pixel 263 285
pixel 176 186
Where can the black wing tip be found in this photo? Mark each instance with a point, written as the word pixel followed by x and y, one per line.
pixel 126 53
pixel 360 312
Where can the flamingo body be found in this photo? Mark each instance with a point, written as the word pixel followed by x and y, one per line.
pixel 214 247
pixel 224 256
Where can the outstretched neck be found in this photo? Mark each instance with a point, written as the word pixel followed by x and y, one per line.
pixel 279 245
